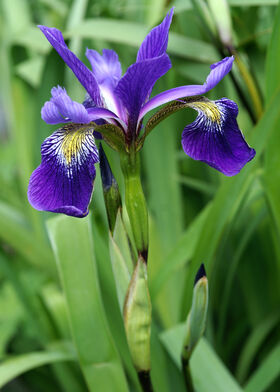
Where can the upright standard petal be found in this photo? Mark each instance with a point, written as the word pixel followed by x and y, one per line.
pixel 83 74
pixel 64 180
pixel 155 43
pixel 106 67
pixel 218 72
pixel 214 137
pixel 135 86
pixel 107 71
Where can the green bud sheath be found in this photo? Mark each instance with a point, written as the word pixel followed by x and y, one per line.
pixel 111 192
pixel 135 200
pixel 112 203
pixel 138 317
pixel 196 320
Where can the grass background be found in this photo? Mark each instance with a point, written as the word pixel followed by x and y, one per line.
pixel 196 214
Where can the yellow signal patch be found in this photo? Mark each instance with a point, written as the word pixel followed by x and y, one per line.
pixel 209 108
pixel 73 141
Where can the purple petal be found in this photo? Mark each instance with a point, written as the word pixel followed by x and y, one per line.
pixel 61 109
pixel 51 115
pixel 83 74
pixel 94 112
pixel 106 67
pixel 217 73
pixel 155 43
pixel 214 137
pixel 101 113
pixel 135 86
pixel 64 180
pixel 107 71
pixel 105 114
pixel 88 102
pixel 68 109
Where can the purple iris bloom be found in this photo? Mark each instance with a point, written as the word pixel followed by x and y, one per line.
pixel 64 180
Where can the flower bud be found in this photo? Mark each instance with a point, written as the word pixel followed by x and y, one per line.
pixel 110 189
pixel 197 316
pixel 138 317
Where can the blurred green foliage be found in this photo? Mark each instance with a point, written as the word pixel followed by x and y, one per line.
pixel 196 214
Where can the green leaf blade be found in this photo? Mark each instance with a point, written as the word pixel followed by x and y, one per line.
pixel 71 240
pixel 14 367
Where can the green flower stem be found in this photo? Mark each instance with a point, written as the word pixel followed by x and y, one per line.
pixel 145 381
pixel 135 201
pixel 187 375
pixel 137 307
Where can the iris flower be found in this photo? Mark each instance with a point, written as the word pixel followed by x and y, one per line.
pixel 64 180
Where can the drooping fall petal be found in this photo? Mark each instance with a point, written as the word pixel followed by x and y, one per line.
pixel 64 180
pixel 215 138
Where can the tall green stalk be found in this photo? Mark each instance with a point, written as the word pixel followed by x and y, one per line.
pixel 137 309
pixel 135 201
